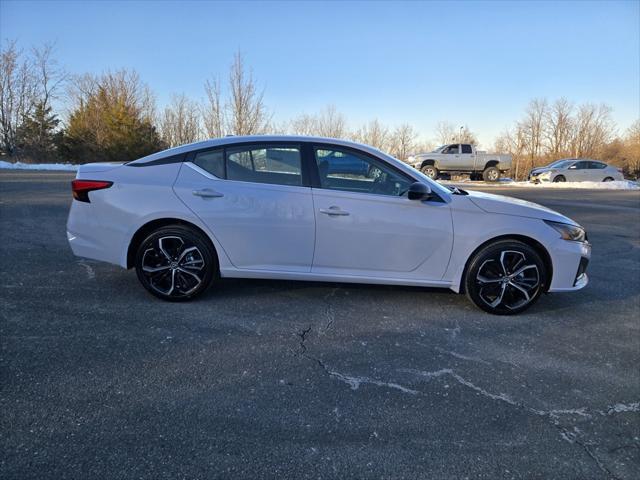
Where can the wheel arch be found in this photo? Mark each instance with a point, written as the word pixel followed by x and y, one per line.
pixel 152 225
pixel 491 163
pixel 429 161
pixel 531 242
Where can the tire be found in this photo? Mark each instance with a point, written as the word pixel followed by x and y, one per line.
pixel 491 174
pixel 430 171
pixel 505 277
pixel 608 179
pixel 176 263
pixel 559 178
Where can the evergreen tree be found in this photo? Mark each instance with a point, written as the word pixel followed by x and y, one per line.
pixel 109 124
pixel 37 138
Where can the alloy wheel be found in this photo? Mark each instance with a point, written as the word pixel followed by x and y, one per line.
pixel 508 280
pixel 173 266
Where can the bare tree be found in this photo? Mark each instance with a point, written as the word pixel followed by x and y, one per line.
pixel 17 93
pixel 180 122
pixel 374 134
pixel 512 142
pixel 403 141
pixel 328 123
pixel 632 148
pixel 558 127
pixel 331 123
pixel 445 133
pixel 593 128
pixel 48 75
pixel 213 110
pixel 247 114
pixel 532 128
pixel 304 124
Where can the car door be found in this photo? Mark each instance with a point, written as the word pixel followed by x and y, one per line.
pixel 366 225
pixel 452 158
pixel 254 200
pixel 598 171
pixel 466 161
pixel 576 171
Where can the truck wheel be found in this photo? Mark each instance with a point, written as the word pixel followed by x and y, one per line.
pixel 430 171
pixel 491 174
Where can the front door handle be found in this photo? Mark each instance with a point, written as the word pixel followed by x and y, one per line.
pixel 334 211
pixel 207 193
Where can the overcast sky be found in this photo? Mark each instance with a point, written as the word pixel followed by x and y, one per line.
pixel 475 63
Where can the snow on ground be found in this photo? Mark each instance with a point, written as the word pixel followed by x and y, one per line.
pixel 38 166
pixel 507 182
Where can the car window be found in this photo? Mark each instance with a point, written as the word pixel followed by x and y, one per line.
pixel 212 161
pixel 279 165
pixel 466 148
pixel 581 165
pixel 452 149
pixel 350 171
pixel 597 165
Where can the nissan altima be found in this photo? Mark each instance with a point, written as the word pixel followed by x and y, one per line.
pixel 316 209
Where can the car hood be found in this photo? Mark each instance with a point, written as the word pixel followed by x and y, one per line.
pixel 514 206
pixel 537 171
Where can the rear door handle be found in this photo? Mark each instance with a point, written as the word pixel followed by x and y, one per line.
pixel 334 211
pixel 207 193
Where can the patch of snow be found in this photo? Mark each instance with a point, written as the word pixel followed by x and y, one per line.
pixel 507 182
pixel 38 166
pixel 616 185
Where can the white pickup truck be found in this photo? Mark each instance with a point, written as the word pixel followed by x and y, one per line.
pixel 458 158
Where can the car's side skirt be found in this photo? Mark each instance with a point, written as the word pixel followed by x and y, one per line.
pixel 325 277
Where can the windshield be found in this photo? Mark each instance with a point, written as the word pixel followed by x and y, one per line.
pixel 561 163
pixel 438 149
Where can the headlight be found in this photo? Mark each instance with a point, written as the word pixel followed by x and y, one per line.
pixel 544 174
pixel 568 232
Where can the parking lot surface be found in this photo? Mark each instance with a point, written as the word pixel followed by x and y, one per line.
pixel 273 379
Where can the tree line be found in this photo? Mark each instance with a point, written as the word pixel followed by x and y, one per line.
pixel 114 116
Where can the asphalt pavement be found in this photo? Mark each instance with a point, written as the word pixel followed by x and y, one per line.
pixel 294 380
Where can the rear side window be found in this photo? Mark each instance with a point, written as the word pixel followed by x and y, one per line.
pixel 211 161
pixel 466 148
pixel 597 165
pixel 265 164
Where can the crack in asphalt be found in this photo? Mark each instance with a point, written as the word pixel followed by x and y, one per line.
pixel 553 416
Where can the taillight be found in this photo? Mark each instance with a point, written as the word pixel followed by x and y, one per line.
pixel 81 188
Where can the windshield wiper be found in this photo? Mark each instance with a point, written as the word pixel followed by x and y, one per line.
pixel 457 191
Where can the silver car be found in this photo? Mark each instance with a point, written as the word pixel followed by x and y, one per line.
pixel 576 170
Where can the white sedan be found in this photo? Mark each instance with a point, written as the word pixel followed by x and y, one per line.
pixel 576 170
pixel 316 209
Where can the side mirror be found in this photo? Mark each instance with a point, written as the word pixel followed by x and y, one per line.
pixel 419 191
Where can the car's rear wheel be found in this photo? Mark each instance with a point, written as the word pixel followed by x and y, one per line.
pixel 608 179
pixel 559 178
pixel 430 171
pixel 176 263
pixel 505 277
pixel 491 174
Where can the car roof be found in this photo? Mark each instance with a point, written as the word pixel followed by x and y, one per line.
pixel 232 140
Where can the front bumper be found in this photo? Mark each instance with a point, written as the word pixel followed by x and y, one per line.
pixel 570 265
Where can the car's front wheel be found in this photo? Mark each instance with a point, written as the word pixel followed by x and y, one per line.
pixel 430 171
pixel 176 263
pixel 505 277
pixel 559 178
